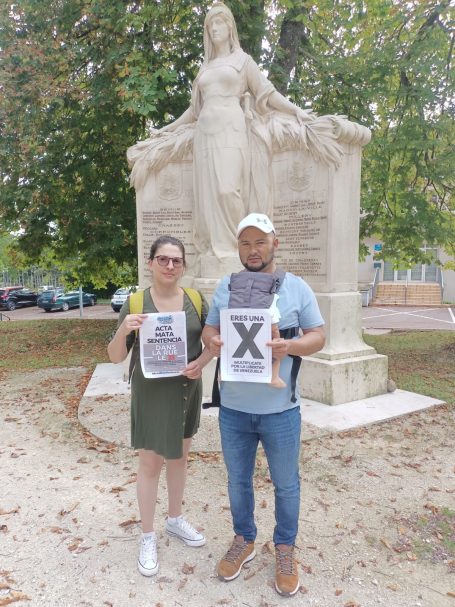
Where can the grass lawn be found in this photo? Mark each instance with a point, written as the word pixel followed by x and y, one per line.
pixel 419 361
pixel 38 344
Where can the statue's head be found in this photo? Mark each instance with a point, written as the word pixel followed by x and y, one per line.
pixel 222 11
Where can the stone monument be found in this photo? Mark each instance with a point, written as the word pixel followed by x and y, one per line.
pixel 242 147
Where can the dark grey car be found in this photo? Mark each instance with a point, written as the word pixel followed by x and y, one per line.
pixel 18 298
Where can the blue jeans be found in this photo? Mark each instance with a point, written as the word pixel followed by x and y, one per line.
pixel 279 434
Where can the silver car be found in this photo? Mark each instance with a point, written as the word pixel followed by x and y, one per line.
pixel 120 296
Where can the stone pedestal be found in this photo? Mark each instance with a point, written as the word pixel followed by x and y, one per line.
pixel 347 369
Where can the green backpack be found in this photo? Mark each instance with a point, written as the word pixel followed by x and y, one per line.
pixel 137 301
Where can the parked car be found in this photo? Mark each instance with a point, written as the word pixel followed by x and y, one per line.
pixel 42 288
pixel 65 301
pixel 17 297
pixel 120 296
pixel 48 296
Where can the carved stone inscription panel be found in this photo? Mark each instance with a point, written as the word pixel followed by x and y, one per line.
pixel 167 208
pixel 300 215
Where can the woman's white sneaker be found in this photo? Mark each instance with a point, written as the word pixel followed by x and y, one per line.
pixel 147 563
pixel 179 527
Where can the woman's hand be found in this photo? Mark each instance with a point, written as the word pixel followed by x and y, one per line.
pixel 193 370
pixel 132 322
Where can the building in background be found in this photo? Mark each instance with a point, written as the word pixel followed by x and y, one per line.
pixel 421 284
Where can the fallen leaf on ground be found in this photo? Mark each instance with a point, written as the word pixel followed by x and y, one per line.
pixel 267 548
pixel 64 512
pixel 188 569
pixel 182 583
pixel 307 568
pixel 13 597
pixel 386 543
pixel 129 522
pixel 58 530
pixel 13 511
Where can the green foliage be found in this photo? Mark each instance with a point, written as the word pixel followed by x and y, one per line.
pixel 79 79
pixel 387 65
pixel 82 80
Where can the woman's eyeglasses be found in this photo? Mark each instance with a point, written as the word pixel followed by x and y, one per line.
pixel 163 260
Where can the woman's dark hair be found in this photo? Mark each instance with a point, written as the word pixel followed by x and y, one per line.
pixel 162 240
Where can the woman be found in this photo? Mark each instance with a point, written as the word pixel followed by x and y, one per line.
pixel 165 412
pixel 231 99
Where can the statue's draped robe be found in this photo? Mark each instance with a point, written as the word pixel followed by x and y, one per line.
pixel 224 188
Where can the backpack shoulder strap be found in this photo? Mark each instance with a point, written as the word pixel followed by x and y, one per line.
pixel 196 300
pixel 137 302
pixel 279 277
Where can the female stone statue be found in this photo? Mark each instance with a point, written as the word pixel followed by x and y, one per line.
pixel 235 120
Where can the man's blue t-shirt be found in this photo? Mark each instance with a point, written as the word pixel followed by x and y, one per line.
pixel 298 308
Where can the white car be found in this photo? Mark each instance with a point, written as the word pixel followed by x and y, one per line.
pixel 120 296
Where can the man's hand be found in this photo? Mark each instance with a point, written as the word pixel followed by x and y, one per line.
pixel 212 339
pixel 280 347
pixel 215 345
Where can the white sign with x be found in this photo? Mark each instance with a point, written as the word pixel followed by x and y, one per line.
pixel 244 354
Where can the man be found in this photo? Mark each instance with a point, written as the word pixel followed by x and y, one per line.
pixel 252 412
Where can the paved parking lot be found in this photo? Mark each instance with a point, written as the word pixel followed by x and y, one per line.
pixel 384 317
pixel 403 317
pixel 101 311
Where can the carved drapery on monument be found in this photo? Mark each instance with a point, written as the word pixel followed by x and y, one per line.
pixel 282 155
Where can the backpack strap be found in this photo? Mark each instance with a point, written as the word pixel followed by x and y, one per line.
pixel 136 302
pixel 279 277
pixel 196 299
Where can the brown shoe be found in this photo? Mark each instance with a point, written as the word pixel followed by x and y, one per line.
pixel 232 562
pixel 287 577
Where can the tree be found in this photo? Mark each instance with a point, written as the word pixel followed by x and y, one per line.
pixel 388 65
pixel 82 80
pixel 79 79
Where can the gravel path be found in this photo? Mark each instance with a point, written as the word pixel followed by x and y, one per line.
pixel 375 529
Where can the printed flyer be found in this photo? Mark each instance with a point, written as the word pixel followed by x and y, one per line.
pixel 162 343
pixel 244 354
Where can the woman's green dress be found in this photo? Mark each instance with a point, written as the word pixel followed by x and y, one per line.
pixel 165 410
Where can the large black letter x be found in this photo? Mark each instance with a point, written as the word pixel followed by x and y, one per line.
pixel 247 342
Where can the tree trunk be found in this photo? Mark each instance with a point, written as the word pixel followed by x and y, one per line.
pixel 293 35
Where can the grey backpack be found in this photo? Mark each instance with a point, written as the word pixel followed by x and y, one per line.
pixel 251 290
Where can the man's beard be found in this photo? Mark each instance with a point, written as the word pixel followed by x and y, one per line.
pixel 263 265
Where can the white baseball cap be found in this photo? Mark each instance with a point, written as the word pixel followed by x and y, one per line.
pixel 256 220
